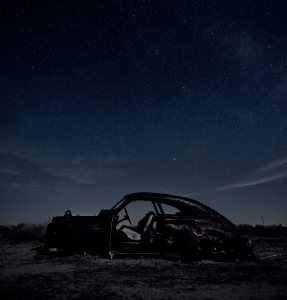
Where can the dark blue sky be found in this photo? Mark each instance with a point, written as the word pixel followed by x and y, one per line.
pixel 104 98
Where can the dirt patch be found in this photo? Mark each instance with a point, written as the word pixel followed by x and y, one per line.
pixel 28 275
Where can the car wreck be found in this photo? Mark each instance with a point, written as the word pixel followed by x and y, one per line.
pixel 171 227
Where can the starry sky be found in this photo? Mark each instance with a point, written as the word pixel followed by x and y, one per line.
pixel 102 98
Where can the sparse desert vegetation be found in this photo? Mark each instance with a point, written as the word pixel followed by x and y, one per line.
pixel 36 232
pixel 265 231
pixel 23 232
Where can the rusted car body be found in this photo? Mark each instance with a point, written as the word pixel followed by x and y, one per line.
pixel 193 232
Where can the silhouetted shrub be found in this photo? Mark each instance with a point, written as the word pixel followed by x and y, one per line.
pixel 35 232
pixel 23 232
pixel 246 228
pixel 260 230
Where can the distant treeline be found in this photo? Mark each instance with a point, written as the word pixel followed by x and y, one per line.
pixel 23 232
pixel 35 232
pixel 260 230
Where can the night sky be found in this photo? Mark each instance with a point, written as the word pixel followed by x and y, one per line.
pixel 100 99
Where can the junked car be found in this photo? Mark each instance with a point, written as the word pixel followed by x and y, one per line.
pixel 171 227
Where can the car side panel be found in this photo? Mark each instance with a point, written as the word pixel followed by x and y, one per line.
pixel 203 238
pixel 78 234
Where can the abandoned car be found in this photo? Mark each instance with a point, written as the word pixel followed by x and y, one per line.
pixel 167 226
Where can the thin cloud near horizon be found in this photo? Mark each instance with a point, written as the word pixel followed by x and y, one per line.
pixel 271 172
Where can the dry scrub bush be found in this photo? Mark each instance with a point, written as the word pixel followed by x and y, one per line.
pixel 36 232
pixel 23 232
pixel 265 231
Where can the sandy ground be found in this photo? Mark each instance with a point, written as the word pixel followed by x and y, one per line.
pixel 28 275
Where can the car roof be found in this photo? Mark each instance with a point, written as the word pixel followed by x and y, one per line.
pixel 200 210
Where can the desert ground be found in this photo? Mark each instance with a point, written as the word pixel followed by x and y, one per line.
pixel 25 274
